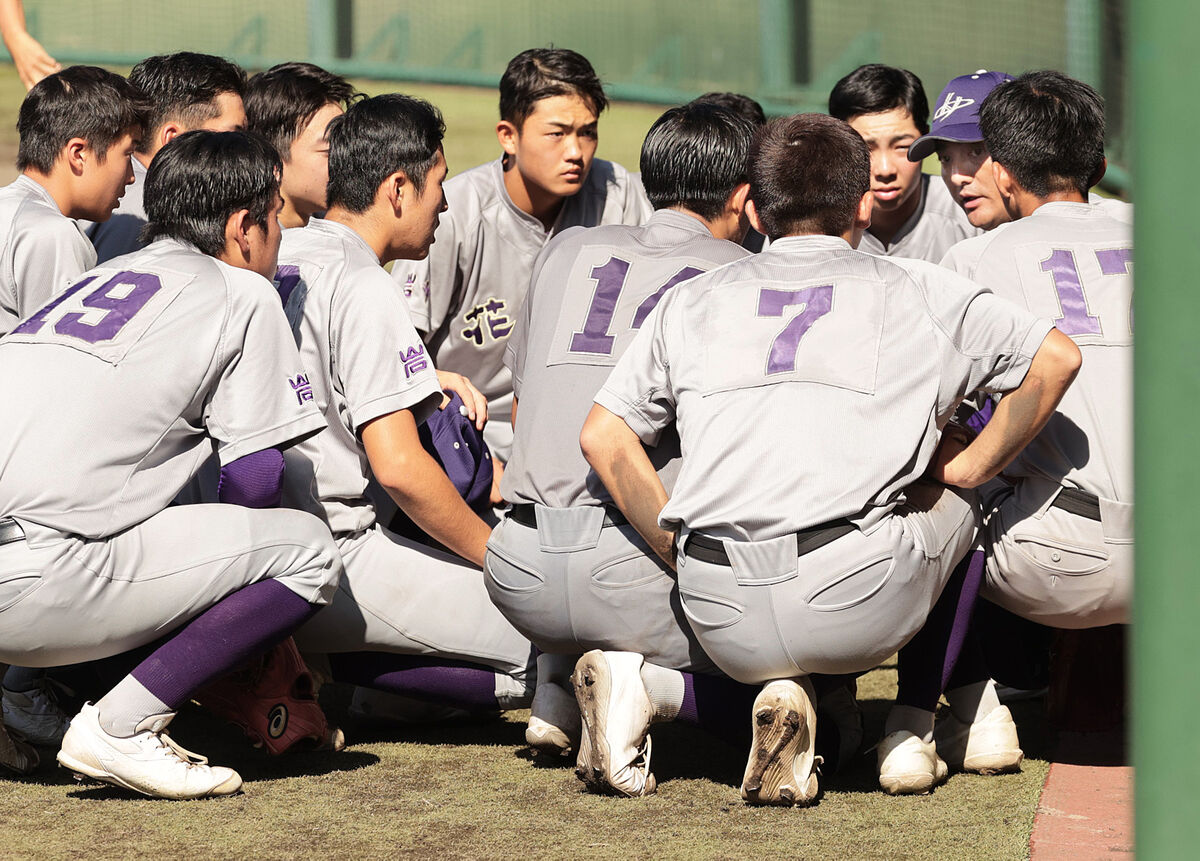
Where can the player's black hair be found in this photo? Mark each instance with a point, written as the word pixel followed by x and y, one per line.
pixel 184 86
pixel 200 178
pixel 808 174
pixel 281 101
pixel 741 105
pixel 1048 130
pixel 375 138
pixel 694 156
pixel 79 102
pixel 541 73
pixel 874 88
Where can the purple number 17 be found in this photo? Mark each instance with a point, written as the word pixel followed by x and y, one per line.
pixel 816 301
pixel 1076 318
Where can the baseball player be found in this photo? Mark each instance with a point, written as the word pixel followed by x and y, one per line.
pixel 807 540
pixel 186 91
pixel 168 354
pixel 291 105
pixel 77 129
pixel 465 296
pixel 966 163
pixel 564 566
pixel 408 619
pixel 913 216
pixel 752 111
pixel 1059 526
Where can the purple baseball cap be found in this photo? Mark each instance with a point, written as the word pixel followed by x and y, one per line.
pixel 956 117
pixel 455 443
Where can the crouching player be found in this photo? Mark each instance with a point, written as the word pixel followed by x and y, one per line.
pixel 167 354
pixel 565 566
pixel 811 543
pixel 408 619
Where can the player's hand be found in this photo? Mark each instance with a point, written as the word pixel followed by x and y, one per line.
pixel 497 474
pixel 948 459
pixel 31 59
pixel 475 402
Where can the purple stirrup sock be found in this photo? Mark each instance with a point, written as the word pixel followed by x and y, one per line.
pixel 926 663
pixel 719 705
pixel 253 481
pixel 435 680
pixel 221 639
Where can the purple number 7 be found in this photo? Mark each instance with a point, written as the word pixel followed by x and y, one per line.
pixel 816 301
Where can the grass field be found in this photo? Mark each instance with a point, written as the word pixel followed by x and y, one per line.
pixel 473 792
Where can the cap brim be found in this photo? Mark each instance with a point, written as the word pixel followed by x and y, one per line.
pixel 924 146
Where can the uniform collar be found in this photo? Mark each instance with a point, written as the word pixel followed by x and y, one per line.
pixel 677 219
pixel 348 234
pixel 809 242
pixel 1063 207
pixel 524 217
pixel 36 189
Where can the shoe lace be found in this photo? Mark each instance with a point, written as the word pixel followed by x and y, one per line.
pixel 175 749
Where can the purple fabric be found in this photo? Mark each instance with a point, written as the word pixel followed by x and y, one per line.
pixel 454 442
pixel 435 680
pixel 927 662
pixel 719 705
pixel 979 419
pixel 221 639
pixel 253 481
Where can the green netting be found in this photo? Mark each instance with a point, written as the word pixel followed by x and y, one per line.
pixel 787 53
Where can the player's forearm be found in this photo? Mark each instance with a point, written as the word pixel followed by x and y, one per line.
pixel 424 492
pixel 616 454
pixel 1020 415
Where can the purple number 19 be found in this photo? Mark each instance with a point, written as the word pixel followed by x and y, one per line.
pixel 1076 318
pixel 610 281
pixel 816 301
pixel 118 310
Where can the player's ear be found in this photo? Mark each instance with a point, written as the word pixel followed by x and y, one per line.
pixel 507 133
pixel 736 204
pixel 396 190
pixel 75 153
pixel 1004 179
pixel 1099 174
pixel 168 132
pixel 752 214
pixel 862 216
pixel 237 230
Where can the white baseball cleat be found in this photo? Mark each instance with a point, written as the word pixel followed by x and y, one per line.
pixel 148 762
pixel 987 746
pixel 554 722
pixel 36 715
pixel 907 765
pixel 782 765
pixel 614 747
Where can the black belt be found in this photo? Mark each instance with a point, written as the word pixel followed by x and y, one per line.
pixel 10 531
pixel 712 550
pixel 525 513
pixel 1078 502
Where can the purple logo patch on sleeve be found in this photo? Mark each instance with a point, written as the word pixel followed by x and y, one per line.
pixel 302 387
pixel 414 360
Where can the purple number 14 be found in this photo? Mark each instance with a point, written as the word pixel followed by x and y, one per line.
pixel 1076 318
pixel 610 281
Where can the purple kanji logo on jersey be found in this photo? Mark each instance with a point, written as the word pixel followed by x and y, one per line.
pixel 414 360
pixel 498 324
pixel 302 387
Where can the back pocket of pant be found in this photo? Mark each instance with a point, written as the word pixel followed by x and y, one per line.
pixel 1061 558
pixel 853 587
pixel 709 613
pixel 511 576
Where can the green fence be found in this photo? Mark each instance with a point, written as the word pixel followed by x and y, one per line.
pixel 786 53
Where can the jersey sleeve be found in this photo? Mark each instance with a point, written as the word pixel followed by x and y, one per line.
pixel 47 261
pixel 986 342
pixel 379 361
pixel 262 397
pixel 639 388
pixel 428 286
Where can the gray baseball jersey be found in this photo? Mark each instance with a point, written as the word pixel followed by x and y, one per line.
pixel 43 251
pixel 591 291
pixel 119 388
pixel 364 359
pixel 119 234
pixel 1072 262
pixel 466 295
pixel 937 225
pixel 809 382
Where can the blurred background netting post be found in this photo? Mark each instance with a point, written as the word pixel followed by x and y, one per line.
pixel 786 53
